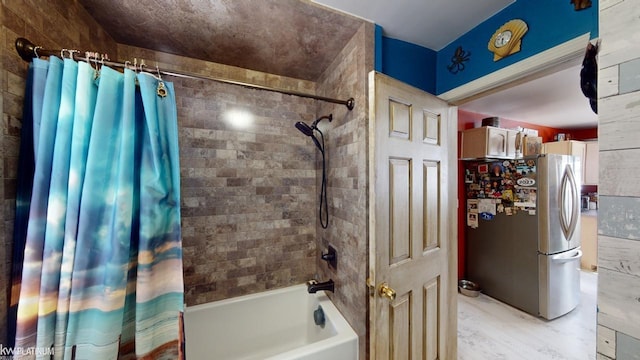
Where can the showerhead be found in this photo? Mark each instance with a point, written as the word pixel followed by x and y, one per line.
pixel 304 128
pixel 308 130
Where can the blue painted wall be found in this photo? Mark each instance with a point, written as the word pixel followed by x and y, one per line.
pixel 550 22
pixel 377 65
pixel 410 63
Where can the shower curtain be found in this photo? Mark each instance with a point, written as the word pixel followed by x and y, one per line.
pixel 99 229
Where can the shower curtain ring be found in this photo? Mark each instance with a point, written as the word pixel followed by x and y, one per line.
pixel 161 90
pixel 96 70
pixel 158 72
pixel 35 50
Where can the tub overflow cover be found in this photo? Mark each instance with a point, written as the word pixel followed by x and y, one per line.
pixel 318 316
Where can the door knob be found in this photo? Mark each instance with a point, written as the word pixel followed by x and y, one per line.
pixel 387 292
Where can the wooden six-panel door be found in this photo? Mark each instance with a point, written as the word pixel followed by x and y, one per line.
pixel 412 199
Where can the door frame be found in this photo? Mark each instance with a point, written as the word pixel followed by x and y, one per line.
pixel 560 57
pixel 557 58
pixel 551 60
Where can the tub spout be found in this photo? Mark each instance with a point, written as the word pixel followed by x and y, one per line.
pixel 313 286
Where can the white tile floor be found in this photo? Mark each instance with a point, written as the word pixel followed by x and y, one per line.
pixel 489 329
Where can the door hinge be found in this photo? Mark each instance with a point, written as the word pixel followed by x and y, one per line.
pixel 371 286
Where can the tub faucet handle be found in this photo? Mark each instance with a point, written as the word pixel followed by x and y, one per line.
pixel 331 257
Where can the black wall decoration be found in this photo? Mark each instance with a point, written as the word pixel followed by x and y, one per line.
pixel 458 59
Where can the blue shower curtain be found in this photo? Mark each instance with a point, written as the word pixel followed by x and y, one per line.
pixel 98 232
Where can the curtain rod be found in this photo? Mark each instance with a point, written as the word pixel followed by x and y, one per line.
pixel 28 50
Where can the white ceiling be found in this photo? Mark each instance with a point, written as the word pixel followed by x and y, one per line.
pixel 554 100
pixel 429 23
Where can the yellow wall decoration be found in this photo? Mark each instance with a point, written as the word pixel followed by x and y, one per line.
pixel 507 39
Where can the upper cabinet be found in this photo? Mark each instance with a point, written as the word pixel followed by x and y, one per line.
pixel 591 163
pixel 569 147
pixel 489 142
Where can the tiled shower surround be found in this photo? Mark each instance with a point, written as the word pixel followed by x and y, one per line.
pixel 249 194
pixel 347 180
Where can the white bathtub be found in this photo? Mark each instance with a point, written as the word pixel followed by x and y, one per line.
pixel 275 325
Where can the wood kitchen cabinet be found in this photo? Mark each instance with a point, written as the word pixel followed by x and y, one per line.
pixel 589 240
pixel 569 147
pixel 591 163
pixel 489 142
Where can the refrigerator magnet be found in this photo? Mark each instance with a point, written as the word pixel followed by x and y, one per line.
pixel 486 216
pixel 487 206
pixel 497 170
pixel 526 181
pixel 472 220
pixel 472 205
pixel 508 211
pixel 469 177
pixel 483 168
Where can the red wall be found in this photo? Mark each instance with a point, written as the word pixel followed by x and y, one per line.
pixel 469 120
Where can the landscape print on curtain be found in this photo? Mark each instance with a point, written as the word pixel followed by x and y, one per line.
pixel 102 271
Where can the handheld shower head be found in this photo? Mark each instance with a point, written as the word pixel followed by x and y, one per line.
pixel 310 131
pixel 304 128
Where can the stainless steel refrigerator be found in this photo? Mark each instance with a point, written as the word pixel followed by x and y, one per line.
pixel 523 231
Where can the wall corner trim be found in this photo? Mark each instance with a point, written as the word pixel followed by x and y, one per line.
pixel 538 63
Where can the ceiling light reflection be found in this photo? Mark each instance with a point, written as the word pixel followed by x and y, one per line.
pixel 239 119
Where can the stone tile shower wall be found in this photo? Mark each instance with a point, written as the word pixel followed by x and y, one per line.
pixel 247 195
pixel 52 24
pixel 248 191
pixel 619 206
pixel 347 180
pixel 224 255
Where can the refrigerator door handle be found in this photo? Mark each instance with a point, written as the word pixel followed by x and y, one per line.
pixel 568 212
pixel 562 259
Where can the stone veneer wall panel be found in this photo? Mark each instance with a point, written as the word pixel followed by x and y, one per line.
pixel 347 180
pixel 53 25
pixel 618 230
pixel 248 194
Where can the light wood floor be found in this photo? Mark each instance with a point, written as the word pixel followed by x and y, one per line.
pixel 489 329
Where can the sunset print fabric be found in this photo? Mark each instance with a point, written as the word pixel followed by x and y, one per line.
pixel 102 271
